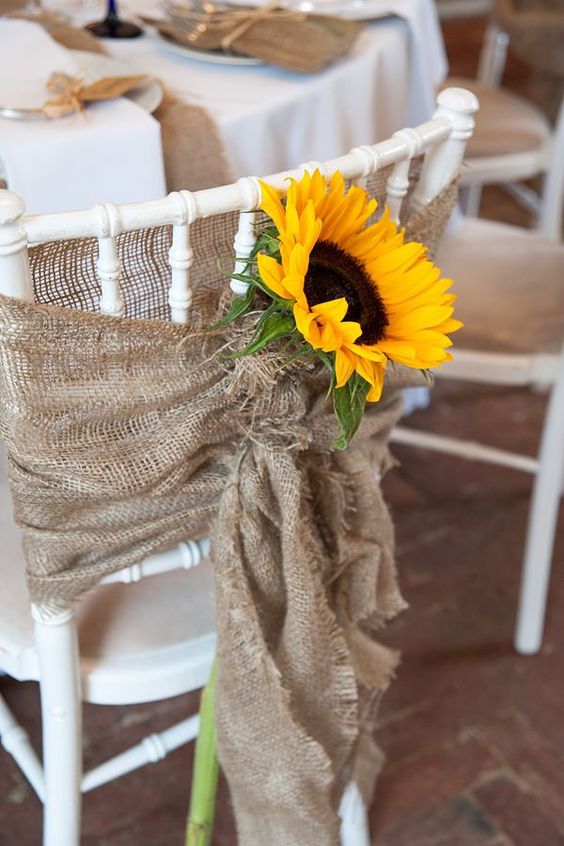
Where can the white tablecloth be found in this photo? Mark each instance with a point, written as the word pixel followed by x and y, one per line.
pixel 112 153
pixel 271 119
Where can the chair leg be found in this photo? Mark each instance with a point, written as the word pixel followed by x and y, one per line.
pixel 15 740
pixel 57 648
pixel 354 818
pixel 543 517
pixel 471 199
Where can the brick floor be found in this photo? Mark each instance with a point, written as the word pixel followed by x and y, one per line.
pixel 473 733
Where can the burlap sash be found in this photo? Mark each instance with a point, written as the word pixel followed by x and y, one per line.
pixel 125 436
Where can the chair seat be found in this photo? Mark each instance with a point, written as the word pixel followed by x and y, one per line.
pixel 510 287
pixel 138 642
pixel 506 126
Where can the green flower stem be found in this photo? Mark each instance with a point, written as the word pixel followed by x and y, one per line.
pixel 206 771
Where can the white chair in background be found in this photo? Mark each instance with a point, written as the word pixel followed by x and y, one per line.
pixel 510 288
pixel 513 141
pixel 103 651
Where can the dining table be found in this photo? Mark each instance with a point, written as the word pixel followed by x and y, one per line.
pixel 267 118
pixel 270 119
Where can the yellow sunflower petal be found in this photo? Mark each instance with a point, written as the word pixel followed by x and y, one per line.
pixel 369 352
pixel 450 325
pixel 350 331
pixel 344 367
pixel 333 310
pixel 395 349
pixel 416 298
pixel 377 383
pixel 272 274
pixel 423 317
pixel 306 324
pixel 331 339
pixel 272 205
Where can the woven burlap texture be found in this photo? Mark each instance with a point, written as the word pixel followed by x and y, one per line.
pixel 285 38
pixel 126 436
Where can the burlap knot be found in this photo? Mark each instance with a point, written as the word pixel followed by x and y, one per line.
pixel 127 436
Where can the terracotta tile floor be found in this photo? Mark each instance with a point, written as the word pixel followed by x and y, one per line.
pixel 474 734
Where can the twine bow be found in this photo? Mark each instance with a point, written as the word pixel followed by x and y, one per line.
pixel 242 20
pixel 71 93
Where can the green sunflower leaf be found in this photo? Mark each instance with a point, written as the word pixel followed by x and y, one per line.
pixel 349 402
pixel 272 325
pixel 267 242
pixel 239 307
pixel 329 362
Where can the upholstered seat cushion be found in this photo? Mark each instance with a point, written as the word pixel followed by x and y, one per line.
pixel 510 287
pixel 505 125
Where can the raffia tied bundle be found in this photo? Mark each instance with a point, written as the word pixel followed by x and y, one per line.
pixel 71 94
pixel 282 37
pixel 127 436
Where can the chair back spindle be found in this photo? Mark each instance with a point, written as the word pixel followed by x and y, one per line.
pixel 245 237
pixel 15 273
pixel 108 265
pixel 397 185
pixel 181 257
pixel 441 140
pixel 457 107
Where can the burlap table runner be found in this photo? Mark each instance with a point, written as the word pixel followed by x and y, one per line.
pixel 193 153
pixel 126 436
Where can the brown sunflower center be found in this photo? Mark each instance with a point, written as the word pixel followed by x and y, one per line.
pixel 334 273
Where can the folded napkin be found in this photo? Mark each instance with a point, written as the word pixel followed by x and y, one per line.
pixel 193 152
pixel 282 37
pixel 111 153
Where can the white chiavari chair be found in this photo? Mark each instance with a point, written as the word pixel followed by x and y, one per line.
pixel 510 288
pixel 65 653
pixel 513 142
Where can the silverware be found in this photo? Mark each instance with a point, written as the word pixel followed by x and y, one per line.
pixel 22 114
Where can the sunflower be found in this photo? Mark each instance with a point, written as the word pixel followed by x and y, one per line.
pixel 357 289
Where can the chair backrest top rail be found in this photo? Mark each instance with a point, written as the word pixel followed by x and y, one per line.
pixel 109 220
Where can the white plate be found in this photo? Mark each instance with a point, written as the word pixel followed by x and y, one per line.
pixel 215 56
pixel 92 66
pixel 352 10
